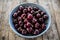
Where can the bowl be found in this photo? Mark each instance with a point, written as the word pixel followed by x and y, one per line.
pixel 29 4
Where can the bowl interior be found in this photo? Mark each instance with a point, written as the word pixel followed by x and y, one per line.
pixel 26 5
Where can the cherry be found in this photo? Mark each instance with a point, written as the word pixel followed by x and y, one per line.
pixel 39 11
pixel 20 23
pixel 23 16
pixel 21 8
pixel 19 12
pixel 29 8
pixel 36 31
pixel 25 11
pixel 19 29
pixel 24 31
pixel 41 20
pixel 42 13
pixel 25 21
pixel 28 24
pixel 29 30
pixel 43 26
pixel 40 30
pixel 34 20
pixel 37 25
pixel 32 11
pixel 38 15
pixel 35 8
pixel 15 15
pixel 24 25
pixel 16 26
pixel 45 16
pixel 34 14
pixel 19 19
pixel 15 21
pixel 29 16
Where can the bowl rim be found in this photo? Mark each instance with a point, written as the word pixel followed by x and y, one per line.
pixel 34 35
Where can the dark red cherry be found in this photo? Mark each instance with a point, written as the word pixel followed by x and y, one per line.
pixel 25 11
pixel 37 25
pixel 25 21
pixel 36 32
pixel 38 15
pixel 15 15
pixel 28 24
pixel 25 26
pixel 18 11
pixel 20 23
pixel 29 30
pixel 41 20
pixel 32 11
pixel 45 16
pixel 19 19
pixel 16 26
pixel 35 9
pixel 34 20
pixel 29 16
pixel 42 13
pixel 29 8
pixel 23 16
pixel 21 8
pixel 15 21
pixel 24 31
pixel 19 29
pixel 40 30
pixel 43 26
pixel 39 11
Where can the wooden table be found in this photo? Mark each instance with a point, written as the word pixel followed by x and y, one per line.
pixel 51 5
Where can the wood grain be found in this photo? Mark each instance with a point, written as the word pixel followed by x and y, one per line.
pixel 0 20
pixel 52 6
pixel 57 14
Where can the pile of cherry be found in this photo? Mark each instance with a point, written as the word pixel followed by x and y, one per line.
pixel 29 20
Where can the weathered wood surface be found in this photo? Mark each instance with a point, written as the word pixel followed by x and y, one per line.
pixel 51 5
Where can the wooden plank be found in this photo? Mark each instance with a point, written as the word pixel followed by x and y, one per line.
pixel 57 14
pixel 0 20
pixel 54 29
pixel 2 24
pixel 56 8
pixel 0 6
pixel 31 1
pixel 1 27
pixel 7 34
pixel 52 34
pixel 11 34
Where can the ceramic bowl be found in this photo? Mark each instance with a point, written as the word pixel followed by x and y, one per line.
pixel 29 4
